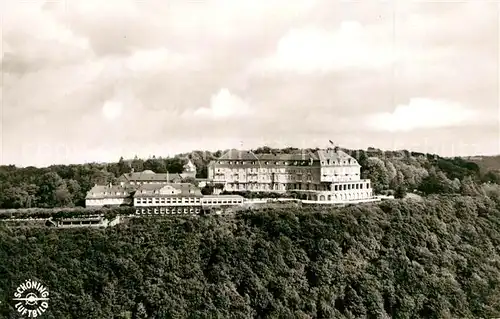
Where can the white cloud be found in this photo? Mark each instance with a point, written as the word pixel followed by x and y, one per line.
pixel 156 60
pixel 112 110
pixel 33 33
pixel 314 49
pixel 224 104
pixel 64 59
pixel 422 113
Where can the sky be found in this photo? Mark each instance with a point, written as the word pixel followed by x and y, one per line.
pixel 90 81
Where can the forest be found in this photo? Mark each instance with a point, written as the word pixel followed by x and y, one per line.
pixel 429 256
pixel 390 172
pixel 435 257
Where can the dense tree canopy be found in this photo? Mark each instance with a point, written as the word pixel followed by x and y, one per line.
pixel 433 258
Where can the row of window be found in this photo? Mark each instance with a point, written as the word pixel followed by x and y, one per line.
pixel 104 201
pixel 167 210
pixel 349 196
pixel 108 194
pixel 263 170
pixel 151 182
pixel 286 163
pixel 221 173
pixel 345 187
pixel 289 163
pixel 222 201
pixel 167 200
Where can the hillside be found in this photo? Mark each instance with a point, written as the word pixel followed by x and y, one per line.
pixel 437 258
pixel 486 163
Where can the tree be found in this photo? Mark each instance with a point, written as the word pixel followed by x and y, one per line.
pixel 190 180
pixel 492 177
pixel 15 197
pixel 377 172
pixel 391 173
pixel 468 187
pixel 137 164
pixel 62 196
pixel 51 189
pixel 436 183
pixel 207 190
pixel 400 192
pixel 141 311
pixel 123 168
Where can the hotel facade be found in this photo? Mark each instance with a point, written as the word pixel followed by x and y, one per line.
pixel 323 175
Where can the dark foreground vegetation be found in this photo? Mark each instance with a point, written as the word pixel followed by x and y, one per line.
pixel 433 258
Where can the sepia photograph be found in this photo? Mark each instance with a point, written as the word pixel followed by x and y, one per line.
pixel 309 159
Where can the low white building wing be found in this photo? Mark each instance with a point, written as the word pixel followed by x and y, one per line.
pixel 108 195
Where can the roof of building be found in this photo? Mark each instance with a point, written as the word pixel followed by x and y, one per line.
pixel 108 191
pixel 222 196
pixel 335 156
pixel 189 166
pixel 249 156
pixel 150 176
pixel 186 190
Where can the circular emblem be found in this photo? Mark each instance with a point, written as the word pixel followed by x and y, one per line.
pixel 32 299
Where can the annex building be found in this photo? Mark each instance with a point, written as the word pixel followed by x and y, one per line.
pixel 163 194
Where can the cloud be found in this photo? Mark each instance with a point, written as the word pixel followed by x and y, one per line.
pixel 292 72
pixel 112 110
pixel 224 104
pixel 422 113
pixel 34 37
pixel 313 49
pixel 157 60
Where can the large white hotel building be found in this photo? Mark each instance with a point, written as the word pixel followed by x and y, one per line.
pixel 322 175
